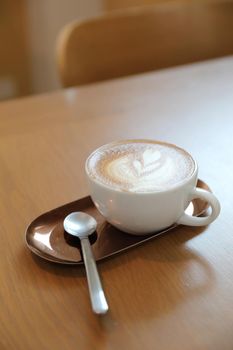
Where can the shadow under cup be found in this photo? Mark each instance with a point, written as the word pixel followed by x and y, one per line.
pixel 146 212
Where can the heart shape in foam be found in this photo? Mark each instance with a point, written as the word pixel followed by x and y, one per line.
pixel 146 162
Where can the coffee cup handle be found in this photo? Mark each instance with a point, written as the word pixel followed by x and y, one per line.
pixel 186 219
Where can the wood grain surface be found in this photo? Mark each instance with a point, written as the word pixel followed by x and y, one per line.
pixel 173 293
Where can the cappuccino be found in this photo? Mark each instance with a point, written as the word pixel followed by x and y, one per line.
pixel 140 166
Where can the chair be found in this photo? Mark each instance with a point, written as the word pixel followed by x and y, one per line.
pixel 143 39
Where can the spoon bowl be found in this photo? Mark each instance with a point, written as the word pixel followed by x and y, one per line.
pixel 80 224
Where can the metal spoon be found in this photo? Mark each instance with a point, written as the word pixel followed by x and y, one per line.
pixel 82 225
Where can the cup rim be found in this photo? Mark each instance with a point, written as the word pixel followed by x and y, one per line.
pixel 171 189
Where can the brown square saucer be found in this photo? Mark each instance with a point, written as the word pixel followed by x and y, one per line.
pixel 45 235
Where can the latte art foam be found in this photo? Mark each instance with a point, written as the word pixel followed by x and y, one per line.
pixel 140 166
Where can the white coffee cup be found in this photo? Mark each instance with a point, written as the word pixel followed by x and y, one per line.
pixel 145 212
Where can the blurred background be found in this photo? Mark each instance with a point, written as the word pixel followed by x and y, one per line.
pixel 28 32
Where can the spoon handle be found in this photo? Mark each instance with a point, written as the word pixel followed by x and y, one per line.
pixel 98 300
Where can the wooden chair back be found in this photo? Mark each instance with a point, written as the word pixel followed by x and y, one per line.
pixel 143 39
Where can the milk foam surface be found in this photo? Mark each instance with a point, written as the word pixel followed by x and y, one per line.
pixel 138 166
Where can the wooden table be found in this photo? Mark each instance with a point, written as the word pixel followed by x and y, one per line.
pixel 175 292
